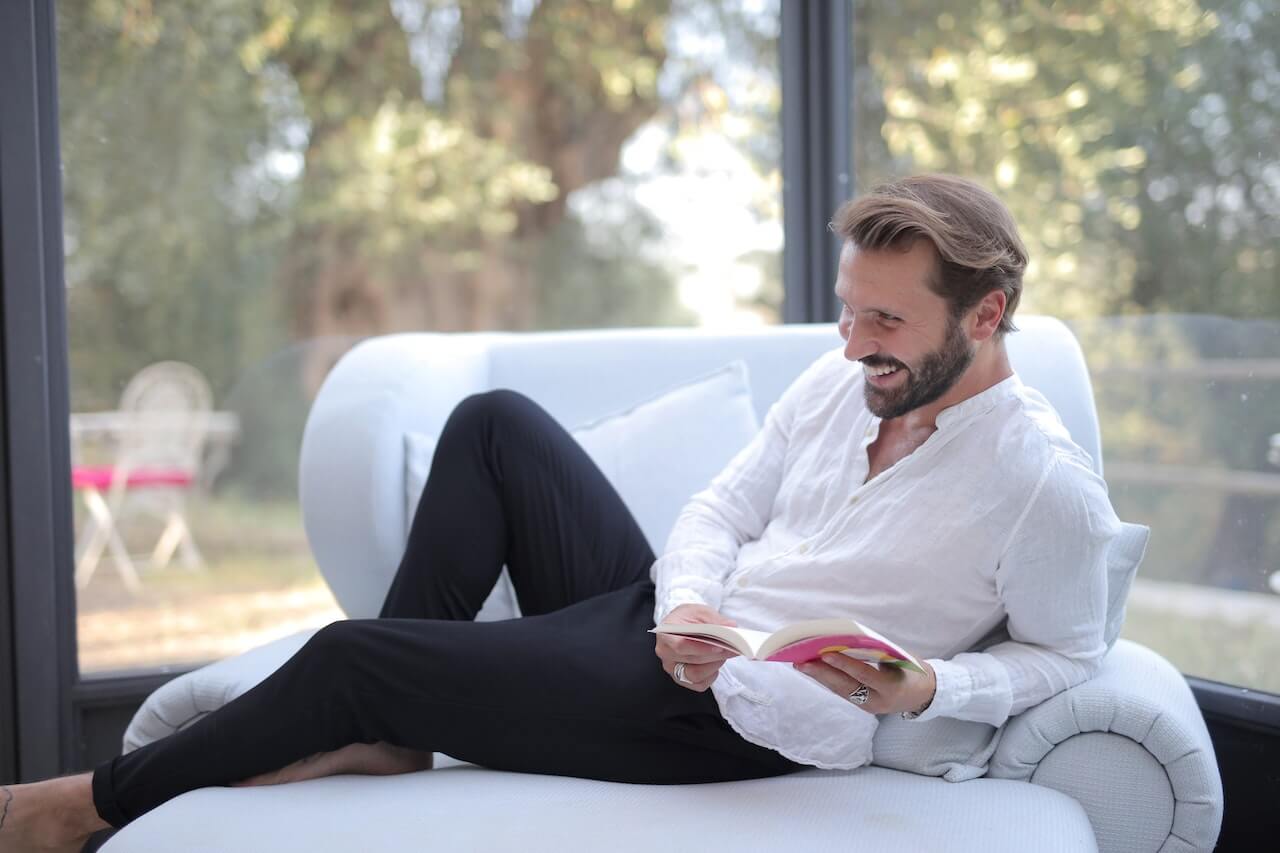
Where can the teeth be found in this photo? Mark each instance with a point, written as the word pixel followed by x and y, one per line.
pixel 878 371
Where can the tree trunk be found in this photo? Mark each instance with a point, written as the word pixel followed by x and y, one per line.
pixel 548 108
pixel 1237 556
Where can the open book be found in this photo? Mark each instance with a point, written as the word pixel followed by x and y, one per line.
pixel 799 642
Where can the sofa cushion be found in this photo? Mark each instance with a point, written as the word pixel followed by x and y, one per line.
pixel 1123 558
pixel 657 453
pixel 466 808
pixel 956 750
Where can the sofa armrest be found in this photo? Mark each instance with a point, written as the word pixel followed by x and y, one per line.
pixel 351 475
pixel 192 695
pixel 1131 746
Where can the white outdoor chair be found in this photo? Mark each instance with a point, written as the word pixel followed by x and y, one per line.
pixel 159 435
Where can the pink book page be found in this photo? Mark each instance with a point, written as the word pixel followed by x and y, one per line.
pixel 711 641
pixel 863 648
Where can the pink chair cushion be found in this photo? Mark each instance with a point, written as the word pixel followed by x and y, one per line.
pixel 101 476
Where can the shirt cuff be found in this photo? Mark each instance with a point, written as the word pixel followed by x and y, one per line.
pixel 954 688
pixel 673 599
pixel 971 686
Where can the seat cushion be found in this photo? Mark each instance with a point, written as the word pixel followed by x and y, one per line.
pixel 466 808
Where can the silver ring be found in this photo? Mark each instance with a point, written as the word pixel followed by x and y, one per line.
pixel 679 674
pixel 859 696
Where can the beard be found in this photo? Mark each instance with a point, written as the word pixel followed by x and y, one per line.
pixel 937 373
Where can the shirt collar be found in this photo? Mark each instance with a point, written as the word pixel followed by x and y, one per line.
pixel 979 403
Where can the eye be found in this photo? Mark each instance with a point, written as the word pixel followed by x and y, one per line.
pixel 889 319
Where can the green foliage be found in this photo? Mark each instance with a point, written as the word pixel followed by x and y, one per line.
pixel 1135 144
pixel 1134 141
pixel 170 232
pixel 605 275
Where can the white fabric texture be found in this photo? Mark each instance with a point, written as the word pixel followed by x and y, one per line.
pixel 1142 799
pixel 958 750
pixel 469 809
pixel 655 453
pixel 1018 524
pixel 419 450
pixel 1123 558
pixel 1140 696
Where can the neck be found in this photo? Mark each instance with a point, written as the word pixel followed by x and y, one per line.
pixel 990 367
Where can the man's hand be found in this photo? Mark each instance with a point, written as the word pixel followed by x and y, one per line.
pixel 702 661
pixel 892 689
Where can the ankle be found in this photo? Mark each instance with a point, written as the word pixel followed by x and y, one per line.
pixel 70 804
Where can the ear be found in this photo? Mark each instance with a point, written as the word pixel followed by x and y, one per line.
pixel 986 315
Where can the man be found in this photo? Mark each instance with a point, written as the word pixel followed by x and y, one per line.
pixel 929 493
pixel 922 489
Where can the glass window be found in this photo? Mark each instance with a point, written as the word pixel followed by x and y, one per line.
pixel 1135 143
pixel 250 188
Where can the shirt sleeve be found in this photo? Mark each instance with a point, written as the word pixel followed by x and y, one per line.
pixel 1052 580
pixel 703 546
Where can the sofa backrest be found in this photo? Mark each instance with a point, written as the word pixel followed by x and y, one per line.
pixel 351 476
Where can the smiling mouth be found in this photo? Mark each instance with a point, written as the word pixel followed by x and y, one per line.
pixel 881 376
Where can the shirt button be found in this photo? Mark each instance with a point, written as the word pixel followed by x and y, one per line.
pixel 853 500
pixel 742 582
pixel 804 549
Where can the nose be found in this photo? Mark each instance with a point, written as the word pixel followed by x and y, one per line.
pixel 858 342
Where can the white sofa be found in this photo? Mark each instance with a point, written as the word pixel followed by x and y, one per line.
pixel 1120 763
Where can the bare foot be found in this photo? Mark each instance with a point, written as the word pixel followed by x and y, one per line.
pixel 362 759
pixel 53 816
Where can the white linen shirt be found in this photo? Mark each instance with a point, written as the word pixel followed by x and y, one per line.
pixel 997 516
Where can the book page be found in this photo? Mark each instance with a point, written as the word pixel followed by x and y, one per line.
pixel 809 640
pixel 723 636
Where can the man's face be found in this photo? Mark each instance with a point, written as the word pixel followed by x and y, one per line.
pixel 890 320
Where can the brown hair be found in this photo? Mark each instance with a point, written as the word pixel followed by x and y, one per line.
pixel 973 233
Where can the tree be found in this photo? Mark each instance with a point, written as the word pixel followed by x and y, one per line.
pixel 242 175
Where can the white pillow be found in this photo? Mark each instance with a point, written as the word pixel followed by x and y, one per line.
pixel 1123 558
pixel 657 453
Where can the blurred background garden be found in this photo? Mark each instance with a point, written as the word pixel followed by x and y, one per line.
pixel 253 187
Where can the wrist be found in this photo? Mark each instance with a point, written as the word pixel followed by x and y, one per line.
pixel 930 693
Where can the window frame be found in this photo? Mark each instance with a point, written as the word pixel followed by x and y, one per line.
pixel 37 659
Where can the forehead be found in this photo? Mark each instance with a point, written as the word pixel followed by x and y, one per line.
pixel 888 279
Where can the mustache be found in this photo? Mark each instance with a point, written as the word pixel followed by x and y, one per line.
pixel 879 362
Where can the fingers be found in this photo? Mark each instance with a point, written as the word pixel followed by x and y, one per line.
pixel 864 673
pixel 700 672
pixel 698 652
pixel 828 676
pixel 698 677
pixel 702 686
pixel 841 684
pixel 694 613
pixel 674 650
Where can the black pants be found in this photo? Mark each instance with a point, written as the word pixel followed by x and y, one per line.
pixel 572 688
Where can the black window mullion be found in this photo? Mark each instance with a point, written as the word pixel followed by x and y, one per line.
pixel 817 168
pixel 35 528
